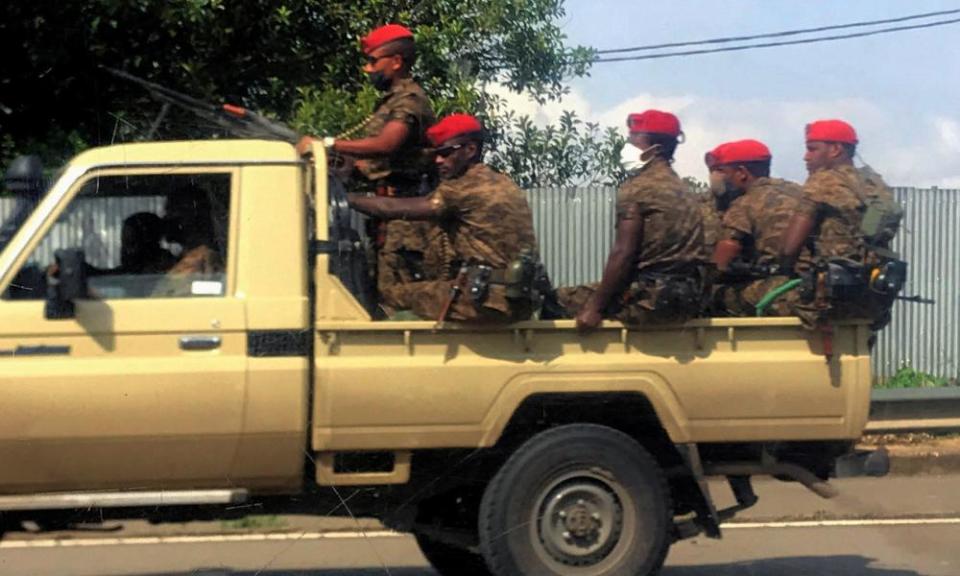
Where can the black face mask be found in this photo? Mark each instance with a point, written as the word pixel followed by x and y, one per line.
pixel 379 81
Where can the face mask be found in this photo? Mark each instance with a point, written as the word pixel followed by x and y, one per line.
pixel 718 185
pixel 379 81
pixel 632 158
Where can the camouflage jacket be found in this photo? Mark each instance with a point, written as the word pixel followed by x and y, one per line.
pixel 758 218
pixel 837 199
pixel 485 219
pixel 672 219
pixel 407 103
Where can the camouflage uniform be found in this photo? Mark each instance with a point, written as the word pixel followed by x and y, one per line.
pixel 671 250
pixel 757 220
pixel 484 219
pixel 403 242
pixel 837 199
pixel 711 221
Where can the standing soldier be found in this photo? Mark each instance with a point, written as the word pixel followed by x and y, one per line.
pixel 484 227
pixel 846 216
pixel 392 156
pixel 653 272
pixel 759 210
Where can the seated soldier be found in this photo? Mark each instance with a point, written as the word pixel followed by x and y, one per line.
pixel 188 221
pixel 653 272
pixel 752 229
pixel 848 217
pixel 483 227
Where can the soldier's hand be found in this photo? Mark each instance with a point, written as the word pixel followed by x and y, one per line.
pixel 303 146
pixel 588 319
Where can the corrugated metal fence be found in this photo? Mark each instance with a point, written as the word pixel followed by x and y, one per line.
pixel 575 230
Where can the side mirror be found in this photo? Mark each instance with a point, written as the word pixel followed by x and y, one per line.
pixel 66 283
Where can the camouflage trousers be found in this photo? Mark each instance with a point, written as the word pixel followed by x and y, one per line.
pixel 639 304
pixel 400 260
pixel 427 299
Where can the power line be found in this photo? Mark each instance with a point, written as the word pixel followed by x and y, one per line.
pixel 777 34
pixel 774 44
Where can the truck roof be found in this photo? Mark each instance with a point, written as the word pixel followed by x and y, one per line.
pixel 188 152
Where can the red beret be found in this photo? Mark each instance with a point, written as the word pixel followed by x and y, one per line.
pixel 452 126
pixel 738 152
pixel 654 122
pixel 382 35
pixel 831 131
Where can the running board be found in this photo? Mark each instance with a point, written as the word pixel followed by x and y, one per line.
pixel 82 500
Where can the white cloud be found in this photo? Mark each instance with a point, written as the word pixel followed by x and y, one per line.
pixel 909 148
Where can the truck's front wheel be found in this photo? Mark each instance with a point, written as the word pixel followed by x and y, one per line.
pixel 577 500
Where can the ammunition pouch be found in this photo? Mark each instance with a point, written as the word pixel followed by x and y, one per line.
pixel 887 274
pixel 675 291
pixel 478 283
pixel 524 279
pixel 846 280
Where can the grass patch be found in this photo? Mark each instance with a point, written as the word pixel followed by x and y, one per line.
pixel 255 523
pixel 908 377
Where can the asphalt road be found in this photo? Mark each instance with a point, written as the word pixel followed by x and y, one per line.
pixel 885 527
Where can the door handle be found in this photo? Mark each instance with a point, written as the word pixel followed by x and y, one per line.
pixel 199 342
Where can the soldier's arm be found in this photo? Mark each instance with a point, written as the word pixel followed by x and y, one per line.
pixel 616 273
pixel 725 252
pixel 388 141
pixel 420 208
pixel 798 230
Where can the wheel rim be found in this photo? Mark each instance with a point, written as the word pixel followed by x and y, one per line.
pixel 579 518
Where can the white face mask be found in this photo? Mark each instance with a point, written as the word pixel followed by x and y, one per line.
pixel 631 157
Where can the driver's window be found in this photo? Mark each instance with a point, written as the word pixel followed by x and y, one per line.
pixel 143 236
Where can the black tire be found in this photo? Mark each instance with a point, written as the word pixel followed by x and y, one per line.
pixel 577 500
pixel 449 560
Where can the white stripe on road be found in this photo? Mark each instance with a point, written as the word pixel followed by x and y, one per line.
pixel 845 523
pixel 294 536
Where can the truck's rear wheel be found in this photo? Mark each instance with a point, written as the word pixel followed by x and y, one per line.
pixel 577 500
pixel 448 560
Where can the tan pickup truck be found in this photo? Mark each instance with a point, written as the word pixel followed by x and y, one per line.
pixel 256 373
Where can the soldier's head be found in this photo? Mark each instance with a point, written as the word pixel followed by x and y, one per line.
pixel 390 52
pixel 830 143
pixel 140 237
pixel 457 140
pixel 735 165
pixel 655 134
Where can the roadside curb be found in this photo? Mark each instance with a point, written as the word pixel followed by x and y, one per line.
pixel 924 456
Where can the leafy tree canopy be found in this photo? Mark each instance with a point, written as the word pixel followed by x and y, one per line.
pixel 295 60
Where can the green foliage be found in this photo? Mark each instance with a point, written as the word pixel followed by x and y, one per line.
pixel 908 377
pixel 571 153
pixel 298 61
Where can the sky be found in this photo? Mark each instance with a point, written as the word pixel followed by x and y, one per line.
pixel 901 91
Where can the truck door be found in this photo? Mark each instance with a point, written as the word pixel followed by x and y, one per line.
pixel 144 386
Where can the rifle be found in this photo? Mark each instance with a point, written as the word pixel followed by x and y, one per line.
pixel 236 120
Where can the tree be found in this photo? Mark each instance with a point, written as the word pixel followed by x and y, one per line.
pixel 298 61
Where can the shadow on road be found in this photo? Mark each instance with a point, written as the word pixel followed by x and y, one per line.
pixel 795 566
